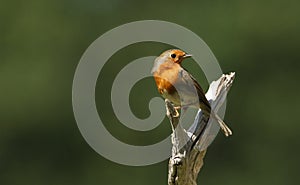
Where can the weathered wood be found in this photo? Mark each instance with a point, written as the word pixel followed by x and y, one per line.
pixel 189 147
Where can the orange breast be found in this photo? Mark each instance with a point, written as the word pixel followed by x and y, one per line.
pixel 164 85
pixel 165 76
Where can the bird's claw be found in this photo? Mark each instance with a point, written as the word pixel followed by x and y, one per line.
pixel 176 111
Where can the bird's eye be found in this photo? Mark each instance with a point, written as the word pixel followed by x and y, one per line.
pixel 173 55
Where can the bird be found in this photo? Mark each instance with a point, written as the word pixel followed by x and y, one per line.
pixel 177 85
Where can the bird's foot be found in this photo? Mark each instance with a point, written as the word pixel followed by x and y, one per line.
pixel 176 108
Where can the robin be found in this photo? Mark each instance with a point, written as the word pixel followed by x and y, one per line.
pixel 178 86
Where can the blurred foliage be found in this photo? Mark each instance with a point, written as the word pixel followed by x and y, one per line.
pixel 42 42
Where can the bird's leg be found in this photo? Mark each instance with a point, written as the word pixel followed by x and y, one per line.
pixel 182 109
pixel 176 109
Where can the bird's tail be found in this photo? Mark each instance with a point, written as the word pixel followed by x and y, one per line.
pixel 223 125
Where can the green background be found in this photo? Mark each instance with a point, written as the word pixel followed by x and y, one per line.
pixel 41 43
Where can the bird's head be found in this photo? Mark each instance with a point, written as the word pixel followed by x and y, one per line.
pixel 175 55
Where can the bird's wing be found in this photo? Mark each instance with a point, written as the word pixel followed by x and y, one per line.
pixel 191 81
pixel 187 78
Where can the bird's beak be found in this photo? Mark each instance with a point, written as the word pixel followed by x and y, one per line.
pixel 187 56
